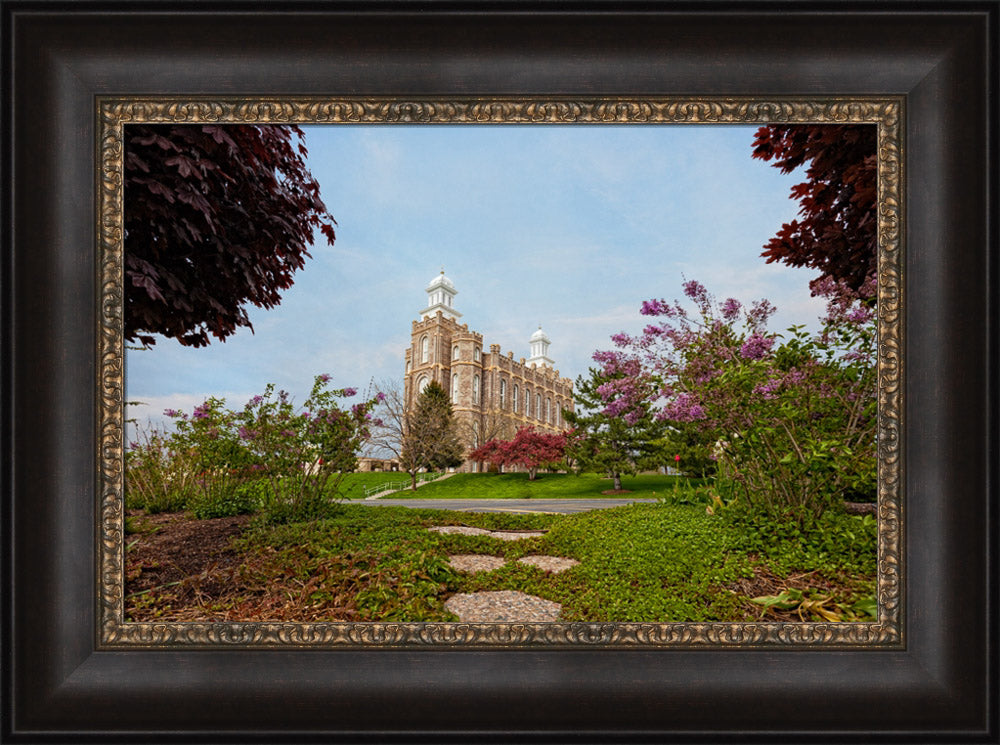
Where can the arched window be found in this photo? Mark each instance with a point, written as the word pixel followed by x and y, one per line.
pixel 513 401
pixel 538 406
pixel 454 387
pixel 527 402
pixel 476 354
pixel 454 352
pixel 475 434
pixel 422 384
pixel 503 393
pixel 425 349
pixel 548 410
pixel 475 389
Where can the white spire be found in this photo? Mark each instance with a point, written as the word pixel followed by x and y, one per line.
pixel 539 342
pixel 441 297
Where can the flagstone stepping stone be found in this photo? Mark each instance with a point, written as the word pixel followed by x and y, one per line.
pixel 476 562
pixel 503 535
pixel 502 606
pixel 461 529
pixel 516 535
pixel 551 564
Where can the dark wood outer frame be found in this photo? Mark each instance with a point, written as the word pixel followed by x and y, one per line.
pixel 58 687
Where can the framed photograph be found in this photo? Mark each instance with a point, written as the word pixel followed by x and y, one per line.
pixel 83 660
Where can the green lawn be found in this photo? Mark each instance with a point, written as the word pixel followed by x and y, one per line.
pixel 645 562
pixel 546 485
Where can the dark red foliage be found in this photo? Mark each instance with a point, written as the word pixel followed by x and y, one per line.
pixel 216 216
pixel 837 233
pixel 529 449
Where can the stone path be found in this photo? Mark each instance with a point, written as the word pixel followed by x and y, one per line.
pixel 502 606
pixel 503 535
pixel 485 563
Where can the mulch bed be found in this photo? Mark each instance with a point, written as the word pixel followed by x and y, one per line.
pixel 191 558
pixel 189 570
pixel 765 582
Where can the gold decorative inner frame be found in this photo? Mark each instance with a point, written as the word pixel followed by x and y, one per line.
pixel 114 113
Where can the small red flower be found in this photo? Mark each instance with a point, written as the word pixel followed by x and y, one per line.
pixel 677 458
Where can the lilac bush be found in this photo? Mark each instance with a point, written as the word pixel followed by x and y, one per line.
pixel 215 460
pixel 789 418
pixel 160 477
pixel 303 452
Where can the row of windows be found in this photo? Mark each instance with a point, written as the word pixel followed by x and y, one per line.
pixel 425 351
pixel 543 409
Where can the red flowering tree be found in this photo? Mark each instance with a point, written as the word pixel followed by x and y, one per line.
pixel 529 449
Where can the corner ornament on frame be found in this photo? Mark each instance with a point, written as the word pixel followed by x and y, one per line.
pixel 114 113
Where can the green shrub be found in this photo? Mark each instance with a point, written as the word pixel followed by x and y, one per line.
pixel 242 499
pixel 833 542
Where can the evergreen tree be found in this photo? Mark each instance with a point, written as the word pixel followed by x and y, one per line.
pixel 610 442
pixel 432 434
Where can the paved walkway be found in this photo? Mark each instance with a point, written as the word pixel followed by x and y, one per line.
pixel 551 506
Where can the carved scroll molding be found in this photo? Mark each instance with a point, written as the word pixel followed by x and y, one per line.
pixel 113 114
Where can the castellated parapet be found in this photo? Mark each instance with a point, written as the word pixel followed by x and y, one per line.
pixel 492 394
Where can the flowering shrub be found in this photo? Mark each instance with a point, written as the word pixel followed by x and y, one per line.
pixel 220 464
pixel 216 460
pixel 790 419
pixel 304 453
pixel 160 477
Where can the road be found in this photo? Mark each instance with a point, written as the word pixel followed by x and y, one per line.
pixel 555 506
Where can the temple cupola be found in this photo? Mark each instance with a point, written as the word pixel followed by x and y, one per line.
pixel 441 297
pixel 540 349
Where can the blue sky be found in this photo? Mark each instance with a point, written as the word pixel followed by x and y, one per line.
pixel 570 227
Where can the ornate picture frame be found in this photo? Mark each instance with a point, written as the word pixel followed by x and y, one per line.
pixel 885 114
pixel 73 670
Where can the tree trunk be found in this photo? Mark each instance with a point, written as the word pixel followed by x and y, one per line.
pixel 531 473
pixel 618 481
pixel 413 480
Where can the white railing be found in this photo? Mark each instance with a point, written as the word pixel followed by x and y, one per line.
pixel 394 486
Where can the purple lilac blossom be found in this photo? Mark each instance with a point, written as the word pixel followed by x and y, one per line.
pixel 684 408
pixel 731 309
pixel 655 308
pixel 756 347
pixel 696 291
pixel 767 390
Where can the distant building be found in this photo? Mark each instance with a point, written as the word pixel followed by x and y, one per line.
pixel 492 394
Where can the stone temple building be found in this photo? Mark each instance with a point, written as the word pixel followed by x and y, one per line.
pixel 492 394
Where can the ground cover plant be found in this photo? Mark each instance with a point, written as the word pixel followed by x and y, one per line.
pixel 648 562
